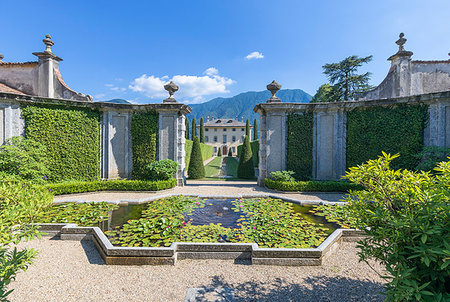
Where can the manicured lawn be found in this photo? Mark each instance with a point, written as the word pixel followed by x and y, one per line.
pixel 213 167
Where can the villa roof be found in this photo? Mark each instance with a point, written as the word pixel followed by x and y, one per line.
pixel 7 89
pixel 224 122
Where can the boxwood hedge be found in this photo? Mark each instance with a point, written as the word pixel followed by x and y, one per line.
pixel 311 186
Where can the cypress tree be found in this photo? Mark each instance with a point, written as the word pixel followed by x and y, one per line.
pixel 255 130
pixel 230 153
pixel 196 169
pixel 245 167
pixel 219 153
pixel 187 127
pixel 247 128
pixel 202 131
pixel 194 129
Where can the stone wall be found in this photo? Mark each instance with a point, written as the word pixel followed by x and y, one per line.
pixel 115 149
pixel 330 131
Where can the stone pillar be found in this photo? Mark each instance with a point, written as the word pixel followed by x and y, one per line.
pixel 401 62
pixel 437 132
pixel 11 122
pixel 262 165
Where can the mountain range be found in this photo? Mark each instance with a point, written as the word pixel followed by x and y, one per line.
pixel 239 106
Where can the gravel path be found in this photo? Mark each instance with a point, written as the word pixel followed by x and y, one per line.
pixel 202 188
pixel 74 271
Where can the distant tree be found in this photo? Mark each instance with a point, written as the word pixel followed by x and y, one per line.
pixel 202 131
pixel 230 153
pixel 246 169
pixel 344 77
pixel 196 169
pixel 219 153
pixel 186 121
pixel 194 129
pixel 255 130
pixel 326 93
pixel 247 128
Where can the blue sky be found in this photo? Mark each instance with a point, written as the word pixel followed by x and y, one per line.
pixel 128 49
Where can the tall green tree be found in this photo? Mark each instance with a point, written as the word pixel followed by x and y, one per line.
pixel 247 128
pixel 344 77
pixel 255 130
pixel 326 93
pixel 186 121
pixel 246 169
pixel 194 129
pixel 196 169
pixel 202 131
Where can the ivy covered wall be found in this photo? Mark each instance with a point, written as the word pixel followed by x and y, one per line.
pixel 144 137
pixel 71 136
pixel 394 129
pixel 299 157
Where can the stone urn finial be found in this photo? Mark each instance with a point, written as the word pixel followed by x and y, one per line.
pixel 171 88
pixel 273 88
pixel 401 41
pixel 1 57
pixel 48 43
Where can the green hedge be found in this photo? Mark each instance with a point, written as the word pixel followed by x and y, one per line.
pixel 207 152
pixel 109 185
pixel 144 137
pixel 390 129
pixel 299 157
pixel 71 136
pixel 311 186
pixel 255 152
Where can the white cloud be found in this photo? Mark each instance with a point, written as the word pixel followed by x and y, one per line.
pixel 254 55
pixel 120 89
pixel 109 85
pixel 193 87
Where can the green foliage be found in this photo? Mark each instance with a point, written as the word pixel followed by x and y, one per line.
pixel 335 213
pixel 247 129
pixel 255 152
pixel 24 158
pixel 406 217
pixel 430 156
pixel 109 185
pixel 390 129
pixel 282 176
pixel 345 79
pixel 20 203
pixel 299 157
pixel 255 130
pixel 71 136
pixel 186 122
pixel 230 153
pixel 202 131
pixel 326 93
pixel 207 151
pixel 194 129
pixel 160 170
pixel 311 186
pixel 219 153
pixel 212 169
pixel 196 169
pixel 83 214
pixel 232 167
pixel 144 141
pixel 246 169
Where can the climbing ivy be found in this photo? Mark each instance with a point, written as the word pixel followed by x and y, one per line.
pixel 144 137
pixel 394 129
pixel 300 145
pixel 71 136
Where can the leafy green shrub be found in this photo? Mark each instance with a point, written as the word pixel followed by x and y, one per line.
pixel 311 186
pixel 299 156
pixel 196 169
pixel 255 151
pixel 406 217
pixel 20 203
pixel 246 169
pixel 393 130
pixel 24 158
pixel 219 153
pixel 71 136
pixel 282 175
pixel 144 141
pixel 160 170
pixel 207 151
pixel 430 156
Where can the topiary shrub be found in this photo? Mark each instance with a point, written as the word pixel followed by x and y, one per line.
pixel 246 169
pixel 219 153
pixel 160 170
pixel 196 169
pixel 299 153
pixel 406 217
pixel 431 156
pixel 24 158
pixel 282 175
pixel 230 153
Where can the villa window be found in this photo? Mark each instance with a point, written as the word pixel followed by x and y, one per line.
pixel 215 129
pixel 215 150
pixel 206 129
pixel 224 139
pixel 206 139
pixel 234 129
pixel 215 139
pixel 233 149
pixel 242 129
pixel 224 129
pixel 234 139
pixel 242 138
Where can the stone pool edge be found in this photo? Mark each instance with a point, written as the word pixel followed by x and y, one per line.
pixel 114 255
